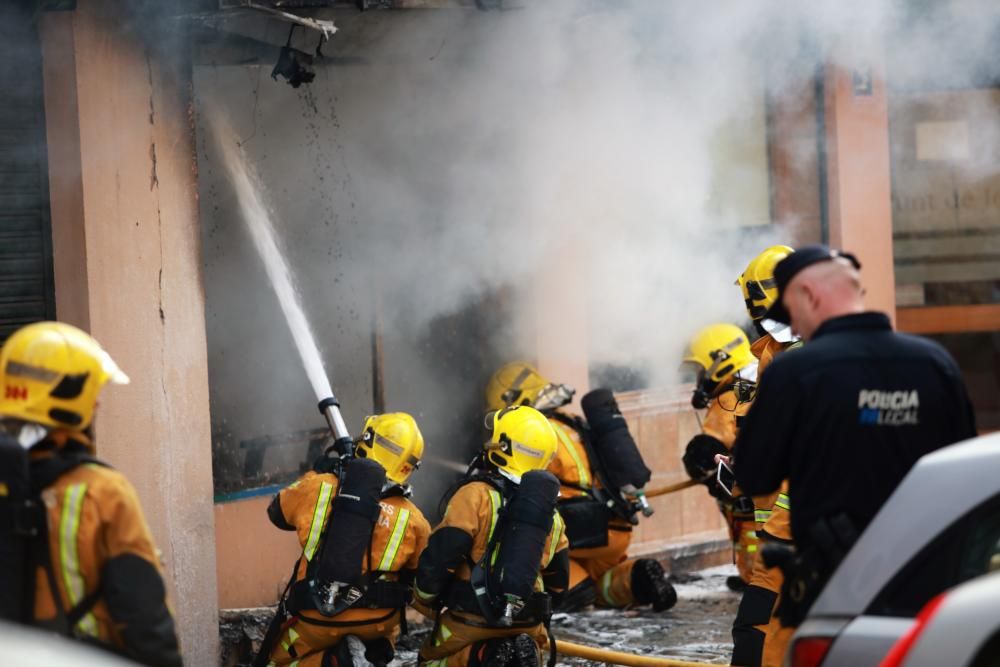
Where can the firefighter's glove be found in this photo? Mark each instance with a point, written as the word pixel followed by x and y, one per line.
pixel 699 457
pixel 699 463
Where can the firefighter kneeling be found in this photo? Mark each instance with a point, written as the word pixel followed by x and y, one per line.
pixel 361 537
pixel 488 569
pixel 602 476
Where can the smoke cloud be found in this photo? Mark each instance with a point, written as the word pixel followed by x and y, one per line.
pixel 447 165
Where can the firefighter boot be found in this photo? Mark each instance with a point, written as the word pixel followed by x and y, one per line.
pixel 650 585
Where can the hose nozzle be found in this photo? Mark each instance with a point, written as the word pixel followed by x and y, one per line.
pixel 644 505
pixel 330 409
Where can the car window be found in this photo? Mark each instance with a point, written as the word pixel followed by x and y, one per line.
pixel 968 548
pixel 989 654
pixel 982 550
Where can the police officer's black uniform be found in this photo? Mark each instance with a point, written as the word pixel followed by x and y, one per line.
pixel 843 419
pixel 846 416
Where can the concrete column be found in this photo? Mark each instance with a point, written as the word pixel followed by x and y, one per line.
pixel 127 250
pixel 859 185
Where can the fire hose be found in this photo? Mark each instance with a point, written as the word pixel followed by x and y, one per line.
pixel 618 658
pixel 671 488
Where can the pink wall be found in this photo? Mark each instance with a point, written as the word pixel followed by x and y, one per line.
pixel 126 244
pixel 860 188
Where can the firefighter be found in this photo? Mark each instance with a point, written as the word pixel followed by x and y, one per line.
pixel 76 555
pixel 726 371
pixel 758 637
pixel 498 553
pixel 599 537
pixel 385 551
pixel 726 413
pixel 727 377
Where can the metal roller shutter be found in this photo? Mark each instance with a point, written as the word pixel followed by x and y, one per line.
pixel 26 284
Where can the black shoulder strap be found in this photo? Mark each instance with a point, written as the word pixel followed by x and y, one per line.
pixel 618 506
pixel 44 473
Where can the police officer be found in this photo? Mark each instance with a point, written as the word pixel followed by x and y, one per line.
pixel 388 558
pixel 497 554
pixel 845 417
pixel 94 572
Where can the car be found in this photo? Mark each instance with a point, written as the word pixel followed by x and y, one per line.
pixel 960 628
pixel 30 647
pixel 940 528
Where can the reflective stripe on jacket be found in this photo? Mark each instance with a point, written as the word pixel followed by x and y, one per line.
pixel 100 544
pixel 463 534
pixel 400 532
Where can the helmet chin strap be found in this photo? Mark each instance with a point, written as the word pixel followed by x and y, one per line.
pixel 509 475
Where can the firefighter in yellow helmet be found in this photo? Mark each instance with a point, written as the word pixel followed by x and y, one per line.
pixel 758 637
pixel 760 517
pixel 80 531
pixel 498 553
pixel 597 464
pixel 377 538
pixel 726 381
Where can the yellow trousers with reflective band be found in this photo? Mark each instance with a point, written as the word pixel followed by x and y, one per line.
pixel 452 643
pixel 776 637
pixel 607 567
pixel 302 643
pixel 743 533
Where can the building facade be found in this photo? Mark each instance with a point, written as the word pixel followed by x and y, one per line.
pixel 118 219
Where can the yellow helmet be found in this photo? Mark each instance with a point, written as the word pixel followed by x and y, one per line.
pixel 51 375
pixel 519 383
pixel 719 352
pixel 757 280
pixel 394 441
pixel 522 440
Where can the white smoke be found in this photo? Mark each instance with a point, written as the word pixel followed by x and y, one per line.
pixel 456 162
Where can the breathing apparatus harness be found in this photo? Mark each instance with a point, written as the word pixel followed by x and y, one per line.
pixel 617 467
pixel 501 584
pixel 24 542
pixel 334 580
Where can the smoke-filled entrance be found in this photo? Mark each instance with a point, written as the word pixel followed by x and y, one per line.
pixel 441 217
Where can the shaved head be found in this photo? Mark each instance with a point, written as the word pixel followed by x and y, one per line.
pixel 821 292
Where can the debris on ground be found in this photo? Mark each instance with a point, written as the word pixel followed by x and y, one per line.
pixel 696 629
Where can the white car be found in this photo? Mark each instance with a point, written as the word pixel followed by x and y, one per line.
pixel 940 528
pixel 960 628
pixel 22 646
